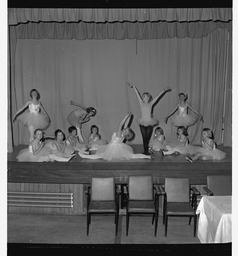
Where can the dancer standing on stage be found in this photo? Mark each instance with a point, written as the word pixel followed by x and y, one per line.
pixel 38 152
pixel 183 118
pixel 79 116
pixel 33 114
pixel 208 151
pixel 116 149
pixel 147 121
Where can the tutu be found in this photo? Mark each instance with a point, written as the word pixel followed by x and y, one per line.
pixel 146 117
pixel 115 150
pixel 183 119
pixel 215 154
pixel 34 117
pixel 26 155
pixel 53 149
pixel 157 145
pixel 184 150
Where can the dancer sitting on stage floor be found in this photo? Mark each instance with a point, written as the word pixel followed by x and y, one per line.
pixel 73 140
pixel 38 152
pixel 157 142
pixel 59 145
pixel 80 116
pixel 183 118
pixel 94 139
pixel 147 121
pixel 36 116
pixel 116 149
pixel 208 151
pixel 182 145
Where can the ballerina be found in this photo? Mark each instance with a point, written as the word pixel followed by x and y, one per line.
pixel 117 149
pixel 147 121
pixel 94 140
pixel 80 116
pixel 36 117
pixel 37 151
pixel 183 118
pixel 157 142
pixel 208 151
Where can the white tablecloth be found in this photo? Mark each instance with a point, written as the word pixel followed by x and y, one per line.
pixel 215 222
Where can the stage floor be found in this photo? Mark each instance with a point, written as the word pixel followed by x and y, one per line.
pixel 80 171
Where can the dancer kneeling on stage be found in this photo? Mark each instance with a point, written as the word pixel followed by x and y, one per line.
pixel 117 149
pixel 38 151
pixel 208 151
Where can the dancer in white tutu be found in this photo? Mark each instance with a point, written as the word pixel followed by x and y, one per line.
pixel 80 116
pixel 59 146
pixel 94 140
pixel 208 151
pixel 33 114
pixel 181 146
pixel 38 152
pixel 73 140
pixel 116 149
pixel 183 118
pixel 157 142
pixel 147 121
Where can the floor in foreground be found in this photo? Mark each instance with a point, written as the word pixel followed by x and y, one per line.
pixel 55 229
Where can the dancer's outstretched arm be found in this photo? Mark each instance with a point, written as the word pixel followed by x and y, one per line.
pixel 170 114
pixel 124 122
pixel 136 91
pixel 201 117
pixel 21 110
pixel 159 96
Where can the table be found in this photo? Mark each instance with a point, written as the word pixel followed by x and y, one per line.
pixel 215 219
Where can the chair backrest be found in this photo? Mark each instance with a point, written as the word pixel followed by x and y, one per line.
pixel 220 185
pixel 102 189
pixel 177 189
pixel 140 188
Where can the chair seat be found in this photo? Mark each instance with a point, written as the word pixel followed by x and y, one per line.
pixel 179 208
pixel 139 206
pixel 107 206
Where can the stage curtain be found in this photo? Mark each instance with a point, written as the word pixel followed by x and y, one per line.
pixel 24 15
pixel 95 73
pixel 118 31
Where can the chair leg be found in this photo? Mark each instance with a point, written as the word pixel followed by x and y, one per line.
pixel 156 222
pixel 127 223
pixel 153 218
pixel 190 218
pixel 117 218
pixel 166 224
pixel 195 225
pixel 88 222
pixel 163 215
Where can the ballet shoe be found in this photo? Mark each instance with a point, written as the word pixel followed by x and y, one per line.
pixel 189 159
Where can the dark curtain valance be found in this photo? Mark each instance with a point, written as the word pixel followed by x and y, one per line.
pixel 125 30
pixel 24 15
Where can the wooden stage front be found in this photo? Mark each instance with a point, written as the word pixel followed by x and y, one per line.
pixel 75 175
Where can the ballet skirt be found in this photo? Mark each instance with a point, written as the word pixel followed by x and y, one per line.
pixel 26 155
pixel 71 143
pixel 215 153
pixel 157 144
pixel 178 146
pixel 96 143
pixel 146 116
pixel 34 117
pixel 183 118
pixel 54 150
pixel 115 149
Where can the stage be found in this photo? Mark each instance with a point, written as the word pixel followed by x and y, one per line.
pixel 74 176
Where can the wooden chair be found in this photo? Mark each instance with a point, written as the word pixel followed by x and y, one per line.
pixel 177 201
pixel 219 185
pixel 102 198
pixel 141 198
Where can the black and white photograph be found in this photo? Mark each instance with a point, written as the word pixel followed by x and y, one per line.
pixel 119 128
